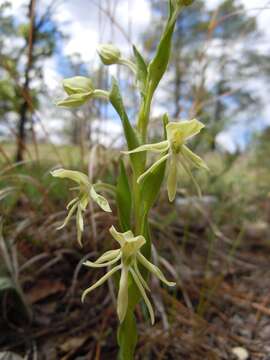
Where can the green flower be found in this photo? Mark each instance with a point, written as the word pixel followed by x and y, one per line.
pixel 176 153
pixel 130 257
pixel 79 204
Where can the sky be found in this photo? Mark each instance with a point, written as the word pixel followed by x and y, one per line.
pixel 87 26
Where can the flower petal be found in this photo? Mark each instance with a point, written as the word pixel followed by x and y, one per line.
pixel 154 269
pixel 108 256
pixel 152 168
pixel 193 158
pixel 122 298
pixel 72 202
pixel 172 177
pixel 99 264
pixel 121 238
pixel 69 215
pixel 138 273
pixel 79 224
pixel 100 200
pixel 76 176
pixel 183 130
pixel 145 298
pixel 101 281
pixel 157 147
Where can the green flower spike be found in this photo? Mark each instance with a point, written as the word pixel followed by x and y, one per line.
pixel 176 153
pixel 79 204
pixel 130 256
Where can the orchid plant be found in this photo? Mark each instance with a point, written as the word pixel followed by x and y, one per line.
pixel 136 191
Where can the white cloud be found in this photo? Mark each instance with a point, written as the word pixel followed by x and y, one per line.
pixel 87 26
pixel 52 78
pixel 225 142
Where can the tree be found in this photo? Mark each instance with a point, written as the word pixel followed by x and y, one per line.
pixel 210 69
pixel 36 40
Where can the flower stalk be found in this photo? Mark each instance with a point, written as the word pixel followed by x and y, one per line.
pixel 137 192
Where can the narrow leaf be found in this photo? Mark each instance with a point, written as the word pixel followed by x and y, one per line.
pixel 142 72
pixel 129 131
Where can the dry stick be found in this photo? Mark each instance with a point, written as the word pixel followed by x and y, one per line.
pixel 199 88
pixel 5 156
pixel 117 25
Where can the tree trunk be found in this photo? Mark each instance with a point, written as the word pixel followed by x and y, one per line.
pixel 26 105
pixel 21 136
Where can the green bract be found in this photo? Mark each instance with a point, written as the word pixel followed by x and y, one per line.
pixel 109 54
pixel 130 259
pixel 176 153
pixel 79 203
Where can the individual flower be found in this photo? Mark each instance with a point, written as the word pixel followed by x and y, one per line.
pixel 130 258
pixel 79 203
pixel 176 153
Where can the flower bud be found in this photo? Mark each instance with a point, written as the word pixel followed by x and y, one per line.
pixel 109 54
pixel 78 85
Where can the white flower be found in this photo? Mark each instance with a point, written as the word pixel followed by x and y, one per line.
pixel 79 204
pixel 176 153
pixel 130 259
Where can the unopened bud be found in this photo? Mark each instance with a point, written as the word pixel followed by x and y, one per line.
pixel 109 54
pixel 78 85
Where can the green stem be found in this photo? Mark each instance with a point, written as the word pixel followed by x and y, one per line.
pixel 127 337
pixel 129 64
pixel 144 115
